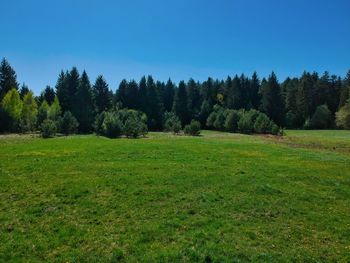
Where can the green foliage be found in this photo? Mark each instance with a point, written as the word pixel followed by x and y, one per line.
pixel 246 123
pixel 134 128
pixel 48 128
pixel 232 119
pixel 29 113
pixel 181 104
pixel 12 106
pixel 55 110
pixel 322 118
pixel 68 124
pixel 112 127
pixel 102 95
pixel 193 129
pixel 8 78
pixel 172 123
pixel 263 124
pixel 43 112
pixel 343 117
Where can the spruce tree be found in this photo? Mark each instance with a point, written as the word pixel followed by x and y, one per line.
pixel 168 96
pixel 272 101
pixel 62 91
pixel 8 78
pixel 102 95
pixel 254 88
pixel 143 95
pixel 48 94
pixel 180 104
pixel 84 108
pixel 194 101
pixel 23 91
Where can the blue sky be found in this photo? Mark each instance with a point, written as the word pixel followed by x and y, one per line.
pixel 178 39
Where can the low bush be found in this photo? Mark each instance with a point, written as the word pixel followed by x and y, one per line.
pixel 193 129
pixel 68 124
pixel 48 128
pixel 172 123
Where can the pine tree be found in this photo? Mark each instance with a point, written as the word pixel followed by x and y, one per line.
pixel 8 78
pixel 102 95
pixel 23 91
pixel 168 97
pixel 73 82
pixel 48 94
pixel 143 95
pixel 254 88
pixel 84 108
pixel 154 107
pixel 345 91
pixel 62 91
pixel 194 100
pixel 180 104
pixel 272 101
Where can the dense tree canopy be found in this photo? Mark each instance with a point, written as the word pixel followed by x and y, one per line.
pixel 311 101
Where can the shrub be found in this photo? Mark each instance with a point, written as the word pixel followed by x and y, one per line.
pixel 134 128
pixel 194 128
pixel 48 128
pixel 262 124
pixel 322 118
pixel 68 124
pixel 275 130
pixel 98 123
pixel 245 124
pixel 219 123
pixel 111 126
pixel 343 117
pixel 232 119
pixel 172 123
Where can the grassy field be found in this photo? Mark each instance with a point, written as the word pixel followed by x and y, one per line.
pixel 215 198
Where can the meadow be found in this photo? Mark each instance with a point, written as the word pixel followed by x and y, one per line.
pixel 218 197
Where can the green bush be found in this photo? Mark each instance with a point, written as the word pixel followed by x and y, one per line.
pixel 134 128
pixel 172 123
pixel 275 130
pixel 48 128
pixel 194 128
pixel 343 117
pixel 262 124
pixel 246 124
pixel 98 123
pixel 111 126
pixel 68 124
pixel 232 119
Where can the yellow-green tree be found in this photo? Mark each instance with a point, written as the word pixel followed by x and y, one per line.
pixel 12 106
pixel 29 112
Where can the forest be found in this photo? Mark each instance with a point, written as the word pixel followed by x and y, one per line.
pixel 237 104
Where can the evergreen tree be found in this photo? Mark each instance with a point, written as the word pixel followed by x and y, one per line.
pixel 43 112
pixel 180 104
pixel 143 95
pixel 272 101
pixel 154 107
pixel 84 108
pixel 168 96
pixel 254 88
pixel 23 91
pixel 73 82
pixel 305 95
pixel 48 94
pixel 8 78
pixel 345 91
pixel 62 91
pixel 194 99
pixel 102 95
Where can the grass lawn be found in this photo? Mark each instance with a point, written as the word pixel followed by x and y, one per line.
pixel 215 198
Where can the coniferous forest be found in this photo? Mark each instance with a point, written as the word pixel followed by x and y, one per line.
pixel 239 103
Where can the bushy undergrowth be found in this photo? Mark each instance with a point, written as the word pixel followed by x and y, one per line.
pixel 114 124
pixel 244 121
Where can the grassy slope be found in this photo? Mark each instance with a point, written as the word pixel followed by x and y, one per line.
pixel 220 197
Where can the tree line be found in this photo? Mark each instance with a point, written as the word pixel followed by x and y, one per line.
pixel 310 101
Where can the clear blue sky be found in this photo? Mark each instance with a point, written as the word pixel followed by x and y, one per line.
pixel 178 39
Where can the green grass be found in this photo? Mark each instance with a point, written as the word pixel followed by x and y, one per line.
pixel 215 198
